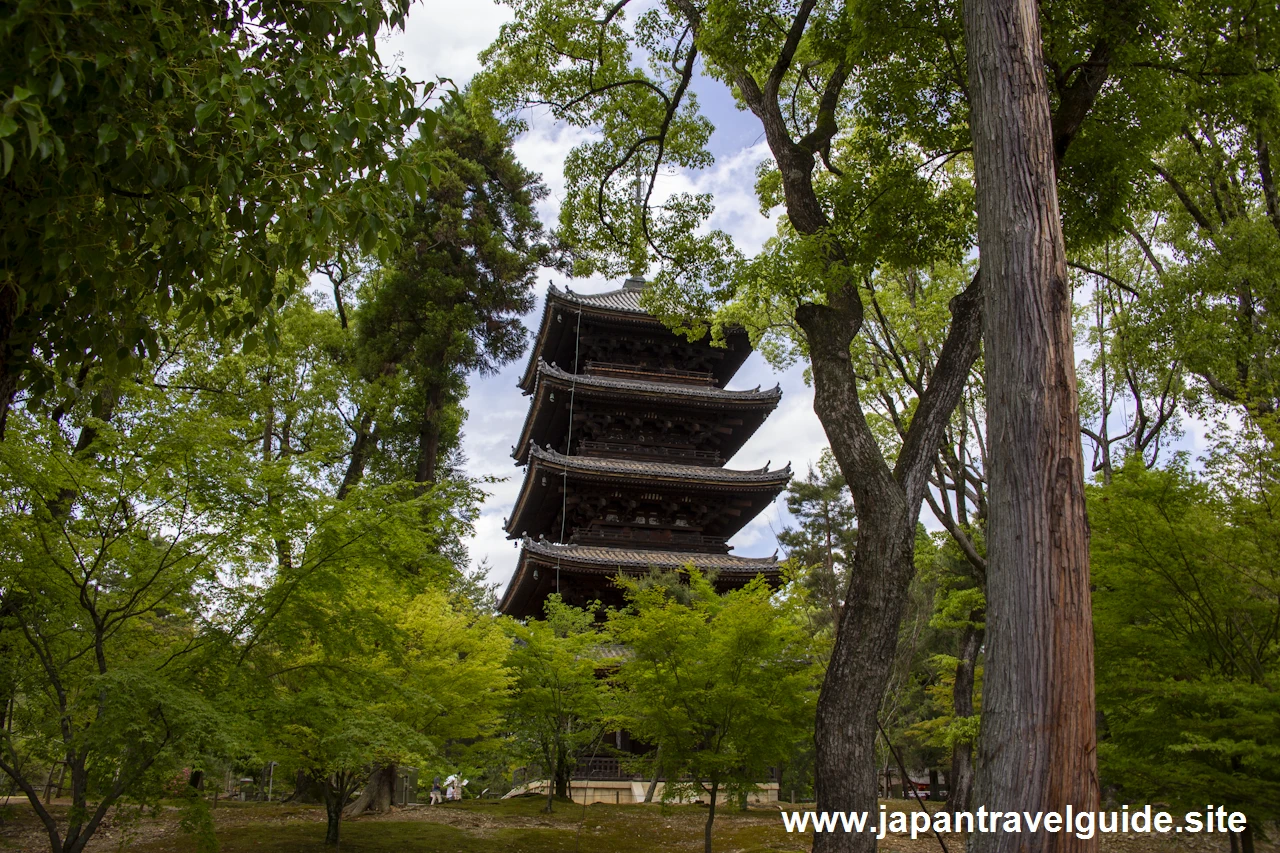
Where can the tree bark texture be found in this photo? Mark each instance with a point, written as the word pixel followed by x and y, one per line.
pixel 333 825
pixel 336 789
pixel 429 435
pixel 1037 744
pixel 377 795
pixel 304 789
pixel 960 783
pixel 562 778
pixel 887 502
pixel 361 446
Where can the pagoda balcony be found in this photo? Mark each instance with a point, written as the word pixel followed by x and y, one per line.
pixel 631 371
pixel 599 767
pixel 652 538
pixel 684 455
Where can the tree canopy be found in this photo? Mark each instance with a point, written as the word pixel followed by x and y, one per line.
pixel 188 163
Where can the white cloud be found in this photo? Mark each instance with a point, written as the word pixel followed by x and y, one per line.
pixel 542 149
pixel 444 39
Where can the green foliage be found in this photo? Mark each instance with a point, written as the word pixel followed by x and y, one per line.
pixel 940 728
pixel 558 704
pixel 183 584
pixel 449 301
pixel 1214 191
pixel 866 121
pixel 110 587
pixel 1187 658
pixel 725 686
pixel 195 821
pixel 186 162
pixel 821 549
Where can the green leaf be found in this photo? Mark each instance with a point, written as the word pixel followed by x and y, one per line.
pixel 7 151
pixel 7 126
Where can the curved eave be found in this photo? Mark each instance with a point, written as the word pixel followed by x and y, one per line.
pixel 636 474
pixel 559 300
pixel 612 308
pixel 661 394
pixel 524 590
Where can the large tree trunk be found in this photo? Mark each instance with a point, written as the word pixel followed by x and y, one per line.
pixel 960 781
pixel 361 446
pixel 429 435
pixel 378 793
pixel 304 789
pixel 1037 746
pixel 888 505
pixel 562 780
pixel 858 673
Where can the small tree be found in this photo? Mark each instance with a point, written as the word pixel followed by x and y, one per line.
pixel 725 685
pixel 558 706
pixel 1187 604
pixel 330 731
pixel 108 580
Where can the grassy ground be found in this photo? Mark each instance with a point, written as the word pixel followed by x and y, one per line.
pixel 509 826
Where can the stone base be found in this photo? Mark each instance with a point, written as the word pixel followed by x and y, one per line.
pixel 623 792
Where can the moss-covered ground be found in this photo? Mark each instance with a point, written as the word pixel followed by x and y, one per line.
pixel 508 826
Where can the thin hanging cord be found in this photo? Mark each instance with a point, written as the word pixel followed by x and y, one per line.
pixel 906 780
pixel 568 446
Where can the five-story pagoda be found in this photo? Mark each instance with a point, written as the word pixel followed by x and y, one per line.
pixel 624 447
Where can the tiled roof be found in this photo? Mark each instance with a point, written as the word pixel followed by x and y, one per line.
pixel 660 470
pixel 622 299
pixel 606 559
pixel 675 389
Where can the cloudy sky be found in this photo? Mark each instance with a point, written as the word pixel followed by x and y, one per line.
pixel 443 39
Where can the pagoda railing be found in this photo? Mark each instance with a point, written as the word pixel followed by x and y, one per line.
pixel 599 767
pixel 700 457
pixel 634 535
pixel 631 371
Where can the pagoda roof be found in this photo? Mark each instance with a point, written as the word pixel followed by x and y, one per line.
pixel 621 305
pixel 650 472
pixel 524 588
pixel 638 473
pixel 599 558
pixel 697 392
pixel 615 388
pixel 625 298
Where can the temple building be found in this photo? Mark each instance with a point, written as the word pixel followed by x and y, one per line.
pixel 624 447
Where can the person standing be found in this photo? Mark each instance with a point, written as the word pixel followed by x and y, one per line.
pixel 436 797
